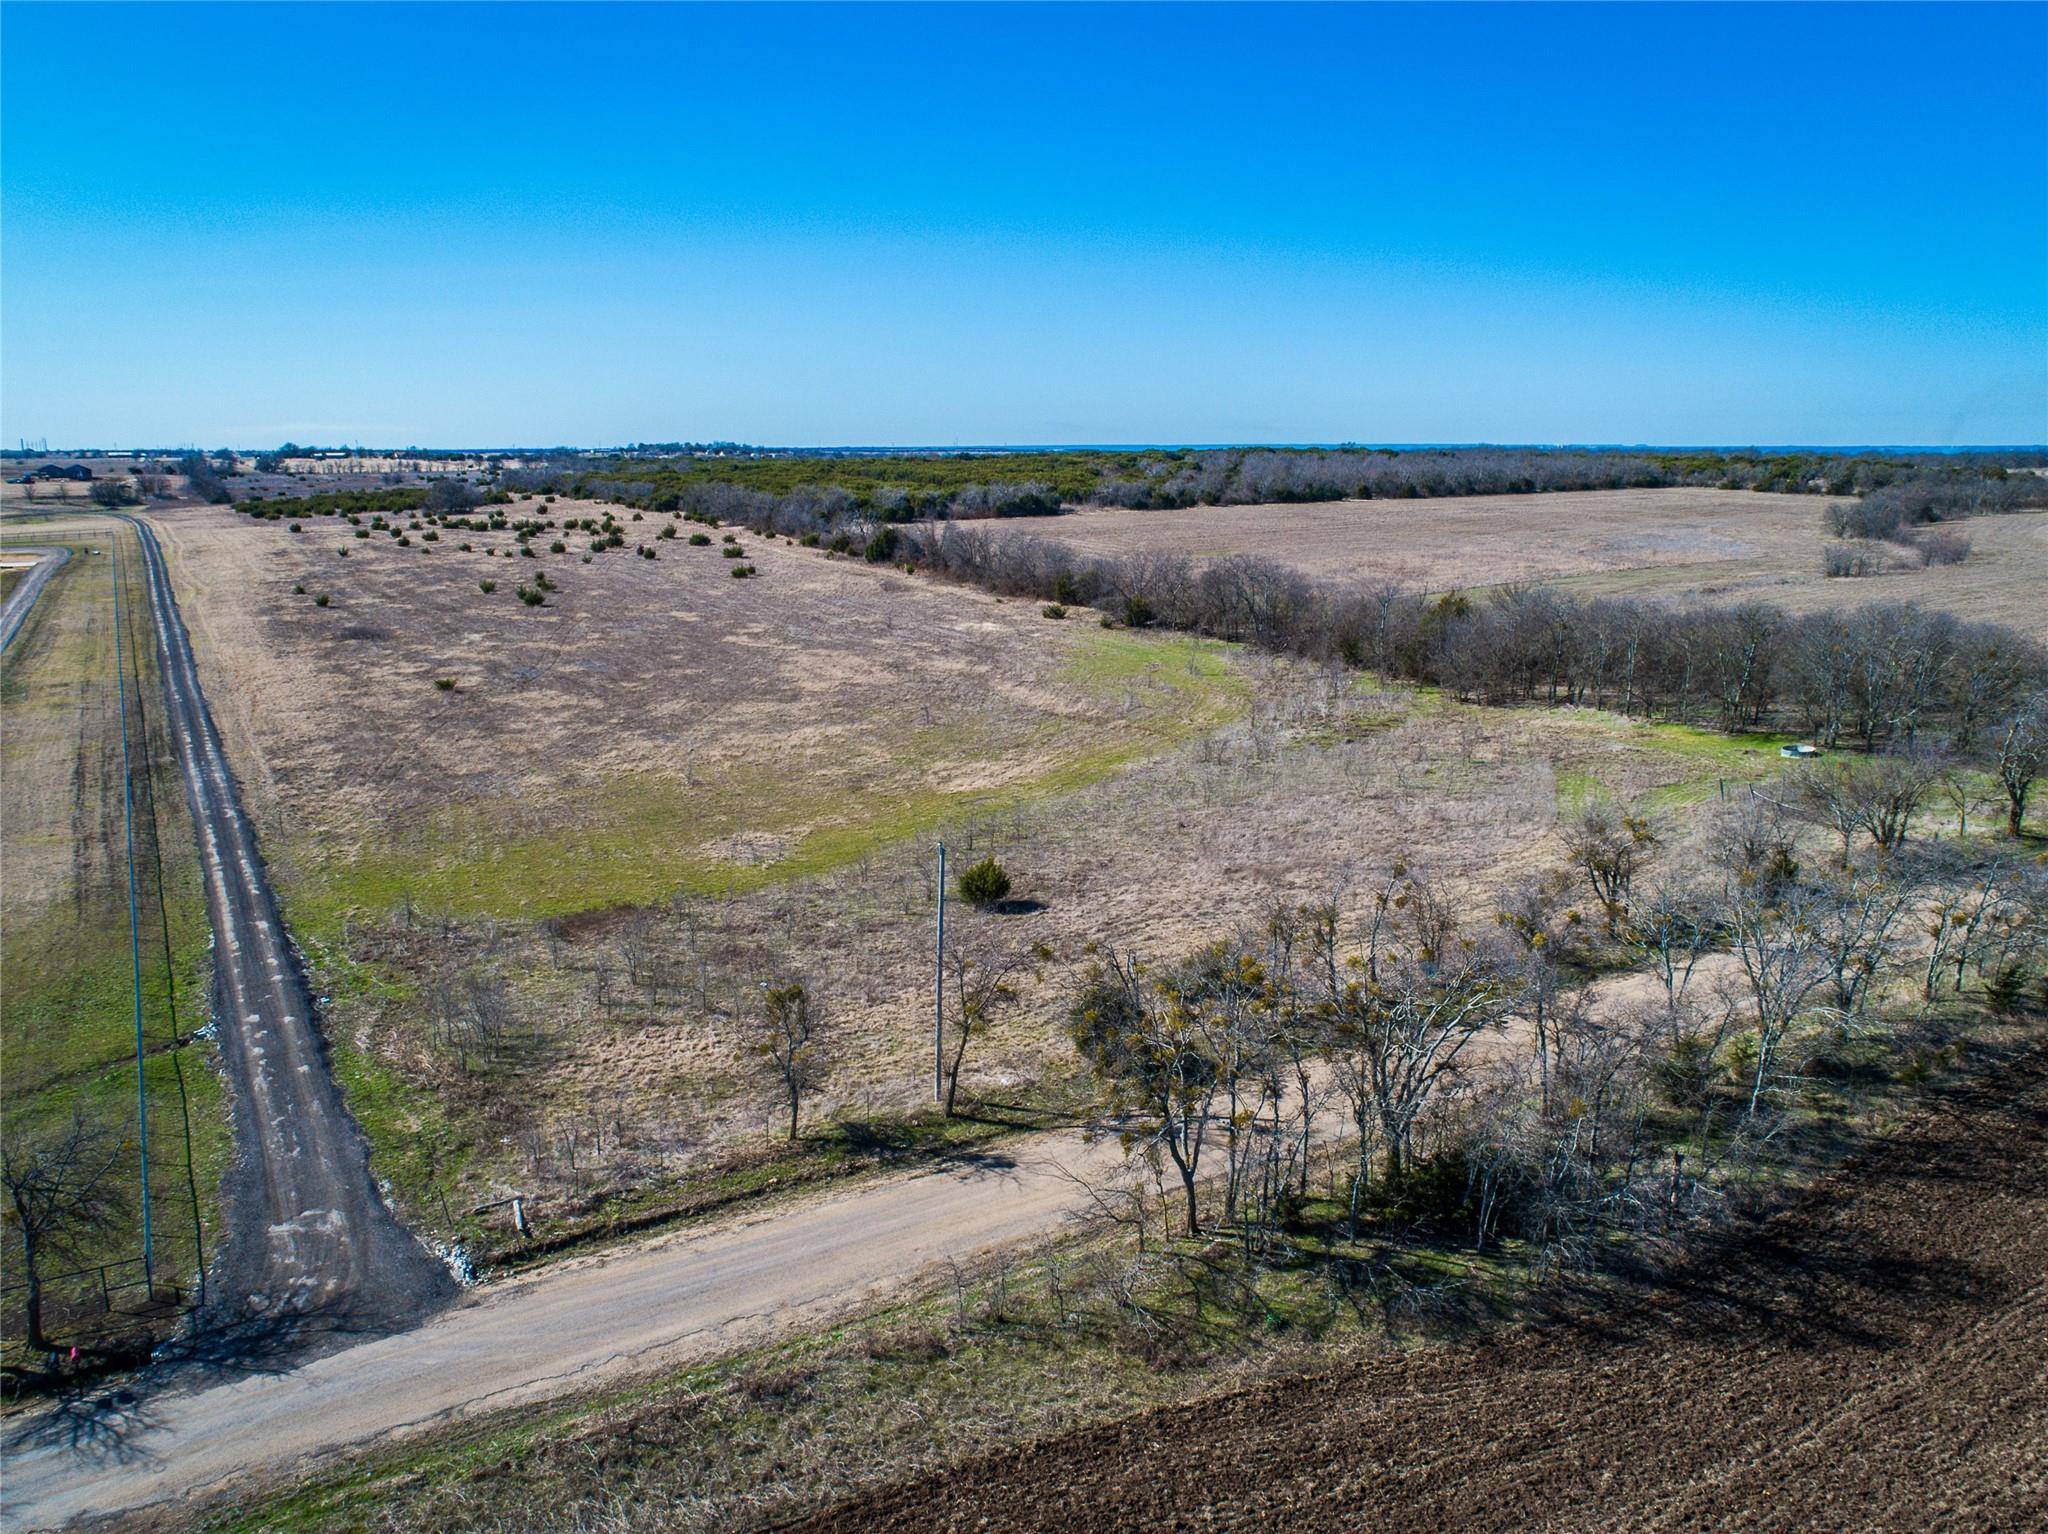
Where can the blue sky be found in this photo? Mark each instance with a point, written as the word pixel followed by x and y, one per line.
pixel 526 224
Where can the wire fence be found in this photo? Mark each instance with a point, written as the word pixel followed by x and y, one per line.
pixel 86 1304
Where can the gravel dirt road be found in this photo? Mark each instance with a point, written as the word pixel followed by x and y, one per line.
pixel 1874 1358
pixel 578 1324
pixel 308 1232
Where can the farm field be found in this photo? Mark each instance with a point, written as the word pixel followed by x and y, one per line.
pixel 642 799
pixel 1999 583
pixel 1681 544
pixel 66 1017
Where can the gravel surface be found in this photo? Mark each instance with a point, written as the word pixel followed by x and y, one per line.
pixel 308 1232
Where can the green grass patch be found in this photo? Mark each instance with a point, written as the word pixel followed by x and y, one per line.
pixel 1106 660
pixel 636 838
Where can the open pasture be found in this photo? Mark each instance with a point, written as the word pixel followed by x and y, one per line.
pixel 651 724
pixel 642 799
pixel 1471 540
pixel 1677 544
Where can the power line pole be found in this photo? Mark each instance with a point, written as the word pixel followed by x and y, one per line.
pixel 939 991
pixel 134 924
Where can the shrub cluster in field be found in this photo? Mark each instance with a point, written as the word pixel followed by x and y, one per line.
pixel 1891 528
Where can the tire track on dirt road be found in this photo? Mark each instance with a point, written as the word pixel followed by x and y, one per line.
pixel 308 1232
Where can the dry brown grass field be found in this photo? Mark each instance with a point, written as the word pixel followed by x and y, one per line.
pixel 1679 544
pixel 665 786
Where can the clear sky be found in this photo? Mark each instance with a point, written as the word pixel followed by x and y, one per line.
pixel 407 224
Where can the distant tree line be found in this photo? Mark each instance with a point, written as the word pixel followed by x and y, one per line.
pixel 809 493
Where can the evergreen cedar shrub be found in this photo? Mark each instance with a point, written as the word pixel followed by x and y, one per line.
pixel 882 547
pixel 984 884
pixel 445 683
pixel 732 551
pixel 320 600
pixel 1054 610
pixel 487 586
pixel 699 540
pixel 558 547
pixel 741 572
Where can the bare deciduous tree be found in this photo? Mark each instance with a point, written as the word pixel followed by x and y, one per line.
pixel 64 1191
pixel 1401 1002
pixel 982 969
pixel 1610 848
pixel 2022 742
pixel 787 1044
pixel 1776 936
pixel 1672 928
pixel 1149 1049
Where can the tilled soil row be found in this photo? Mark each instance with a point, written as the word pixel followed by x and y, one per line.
pixel 1874 1357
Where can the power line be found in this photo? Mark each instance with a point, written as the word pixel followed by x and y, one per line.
pixel 163 911
pixel 134 922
